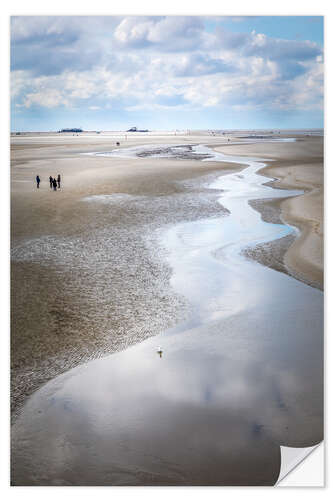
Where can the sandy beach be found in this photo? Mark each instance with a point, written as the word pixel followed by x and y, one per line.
pixel 84 299
pixel 296 166
pixel 53 309
pixel 104 264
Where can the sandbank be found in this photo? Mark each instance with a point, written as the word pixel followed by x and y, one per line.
pixel 295 165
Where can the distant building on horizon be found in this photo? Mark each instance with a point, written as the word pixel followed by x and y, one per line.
pixel 135 129
pixel 71 130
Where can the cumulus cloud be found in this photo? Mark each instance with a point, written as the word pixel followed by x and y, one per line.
pixel 175 33
pixel 49 45
pixel 158 61
pixel 277 49
pixel 49 98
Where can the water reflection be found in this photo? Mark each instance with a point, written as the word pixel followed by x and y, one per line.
pixel 214 412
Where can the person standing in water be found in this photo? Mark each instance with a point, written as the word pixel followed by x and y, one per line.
pixel 54 182
pixel 59 181
pixel 38 181
pixel 51 181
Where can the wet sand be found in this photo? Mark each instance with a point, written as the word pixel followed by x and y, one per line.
pixel 305 257
pixel 209 370
pixel 79 267
pixel 56 305
pixel 296 165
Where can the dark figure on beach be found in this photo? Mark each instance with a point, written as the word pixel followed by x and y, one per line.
pixel 54 182
pixel 58 181
pixel 38 181
pixel 51 181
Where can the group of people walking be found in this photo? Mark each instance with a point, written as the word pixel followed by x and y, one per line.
pixel 54 182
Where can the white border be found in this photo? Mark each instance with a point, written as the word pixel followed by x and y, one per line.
pixel 141 7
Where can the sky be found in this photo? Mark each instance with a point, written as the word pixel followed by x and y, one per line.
pixel 166 72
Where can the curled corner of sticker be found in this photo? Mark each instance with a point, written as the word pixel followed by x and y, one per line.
pixel 291 458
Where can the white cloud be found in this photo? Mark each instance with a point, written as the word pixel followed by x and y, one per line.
pixel 49 98
pixel 18 81
pixel 171 33
pixel 159 62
